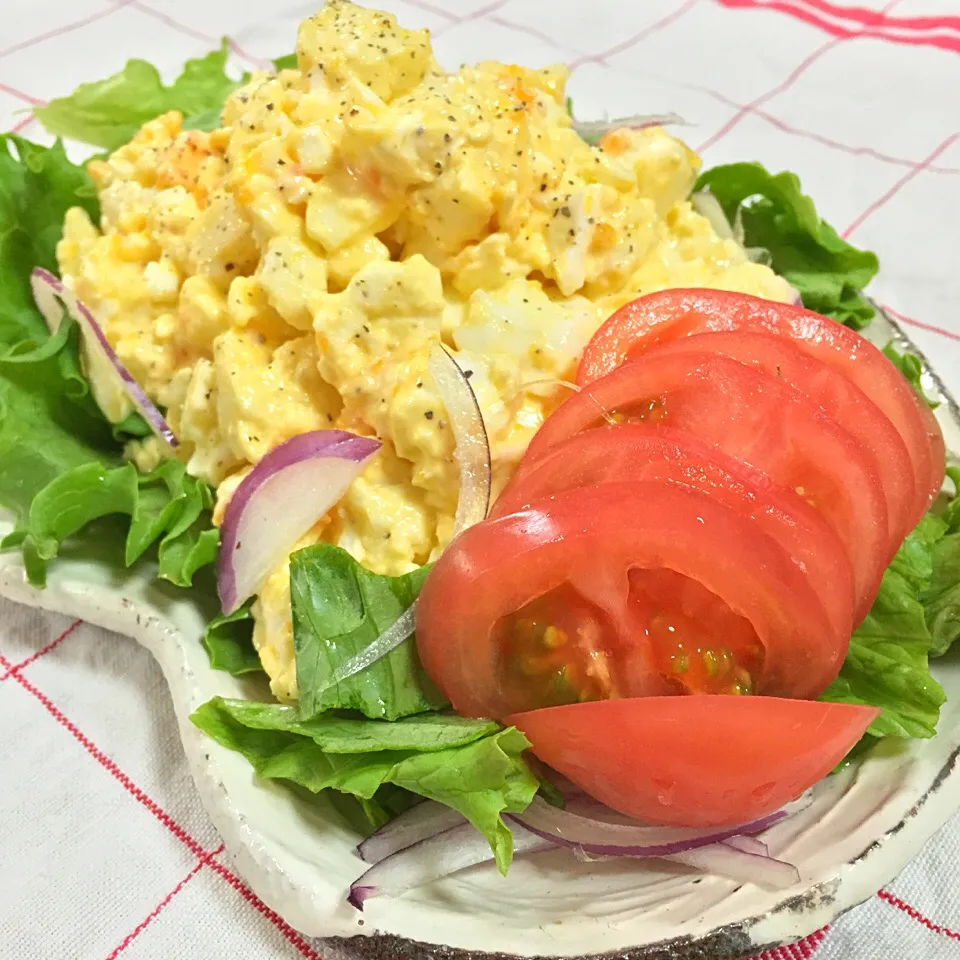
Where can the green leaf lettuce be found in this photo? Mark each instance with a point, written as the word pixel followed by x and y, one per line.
pixel 473 766
pixel 828 272
pixel 107 113
pixel 339 608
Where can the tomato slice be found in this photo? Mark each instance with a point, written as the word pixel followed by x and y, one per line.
pixel 695 761
pixel 641 451
pixel 671 314
pixel 620 590
pixel 757 419
pixel 843 402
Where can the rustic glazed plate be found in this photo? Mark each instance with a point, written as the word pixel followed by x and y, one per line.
pixel 863 826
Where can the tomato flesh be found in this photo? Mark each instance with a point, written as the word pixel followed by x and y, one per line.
pixel 695 761
pixel 640 451
pixel 671 314
pixel 756 419
pixel 843 402
pixel 744 606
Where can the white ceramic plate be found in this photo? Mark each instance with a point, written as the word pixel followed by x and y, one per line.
pixel 862 828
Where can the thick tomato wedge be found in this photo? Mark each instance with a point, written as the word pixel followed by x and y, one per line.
pixel 695 761
pixel 757 419
pixel 620 590
pixel 844 403
pixel 641 451
pixel 671 314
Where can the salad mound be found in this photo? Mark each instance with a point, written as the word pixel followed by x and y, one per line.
pixel 313 325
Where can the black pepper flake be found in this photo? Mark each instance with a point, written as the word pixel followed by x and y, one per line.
pixel 565 210
pixel 543 187
pixel 229 266
pixel 270 106
pixel 329 418
pixel 468 373
pixel 354 111
pixel 429 414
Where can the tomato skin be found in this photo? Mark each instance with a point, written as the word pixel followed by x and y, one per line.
pixel 842 401
pixel 670 314
pixel 641 451
pixel 699 761
pixel 758 420
pixel 590 538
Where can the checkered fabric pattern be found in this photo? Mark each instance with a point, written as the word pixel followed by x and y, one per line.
pixel 105 849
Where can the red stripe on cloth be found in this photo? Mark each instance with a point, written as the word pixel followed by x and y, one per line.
pixel 189 31
pixel 154 913
pixel 108 764
pixel 21 124
pixel 920 325
pixel 915 914
pixel 476 15
pixel 291 935
pixel 871 17
pixel 66 28
pixel 795 75
pixel 432 8
pixel 900 184
pixel 20 95
pixel 884 28
pixel 654 27
pixel 295 938
pixel 801 950
pixel 53 644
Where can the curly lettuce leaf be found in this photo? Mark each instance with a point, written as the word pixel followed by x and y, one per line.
pixel 473 766
pixel 107 113
pixel 776 216
pixel 49 424
pixel 37 187
pixel 911 367
pixel 228 641
pixel 887 665
pixel 339 608
pixel 941 597
pixel 166 507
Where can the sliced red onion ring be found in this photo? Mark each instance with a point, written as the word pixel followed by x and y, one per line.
pixel 52 298
pixel 284 495
pixel 593 130
pixel 708 206
pixel 473 458
pixel 434 858
pixel 726 860
pixel 568 829
pixel 421 822
pixel 748 845
pixel 473 445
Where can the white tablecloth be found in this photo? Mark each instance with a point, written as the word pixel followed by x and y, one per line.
pixel 105 849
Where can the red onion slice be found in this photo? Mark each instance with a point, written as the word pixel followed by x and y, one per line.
pixel 600 837
pixel 748 845
pixel 421 822
pixel 473 459
pixel 726 860
pixel 52 298
pixel 284 495
pixel 432 859
pixel 593 130
pixel 473 445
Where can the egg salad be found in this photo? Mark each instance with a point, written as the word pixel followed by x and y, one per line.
pixel 291 270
